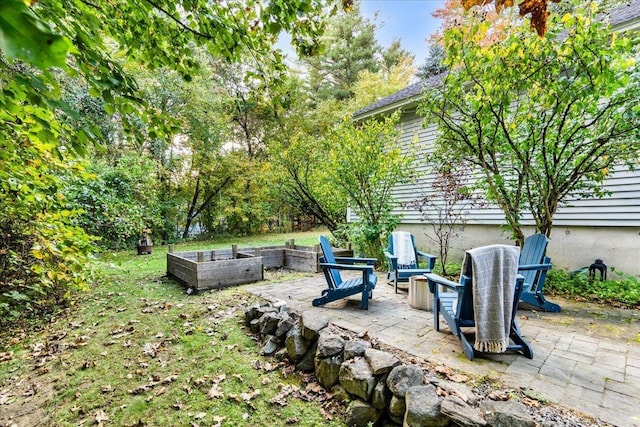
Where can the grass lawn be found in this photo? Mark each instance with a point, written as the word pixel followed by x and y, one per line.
pixel 136 350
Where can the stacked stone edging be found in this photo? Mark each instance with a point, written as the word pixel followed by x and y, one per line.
pixel 382 389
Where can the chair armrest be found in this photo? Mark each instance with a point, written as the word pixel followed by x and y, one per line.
pixel 435 280
pixel 348 260
pixel 527 267
pixel 392 261
pixel 390 256
pixel 431 259
pixel 347 266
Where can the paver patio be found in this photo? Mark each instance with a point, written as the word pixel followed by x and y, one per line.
pixel 586 358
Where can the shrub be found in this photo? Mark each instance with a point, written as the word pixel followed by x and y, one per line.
pixel 621 290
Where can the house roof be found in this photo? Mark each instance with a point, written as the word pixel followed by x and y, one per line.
pixel 403 98
pixel 622 18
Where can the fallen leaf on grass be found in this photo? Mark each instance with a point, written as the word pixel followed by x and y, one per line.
pixel 248 396
pixel 285 391
pixel 79 342
pixel 31 391
pixel 215 392
pixel 88 364
pixel 169 379
pixel 200 381
pixel 146 387
pixel 218 421
pixel 151 348
pixel 6 356
pixel 101 417
pixel 314 388
pixel 200 415
pixel 288 370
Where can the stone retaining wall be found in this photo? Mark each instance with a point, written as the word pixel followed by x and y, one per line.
pixel 382 390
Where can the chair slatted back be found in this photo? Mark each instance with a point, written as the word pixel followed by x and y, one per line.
pixel 391 249
pixel 334 277
pixel 533 252
pixel 465 303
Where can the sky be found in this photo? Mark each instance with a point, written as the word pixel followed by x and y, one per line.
pixel 408 20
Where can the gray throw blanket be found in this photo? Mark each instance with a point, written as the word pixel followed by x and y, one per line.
pixel 494 269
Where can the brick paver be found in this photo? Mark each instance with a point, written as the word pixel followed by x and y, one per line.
pixel 588 361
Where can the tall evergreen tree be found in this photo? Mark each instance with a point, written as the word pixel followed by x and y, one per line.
pixel 434 63
pixel 350 47
pixel 394 55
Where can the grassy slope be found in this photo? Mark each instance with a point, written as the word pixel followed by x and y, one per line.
pixel 138 351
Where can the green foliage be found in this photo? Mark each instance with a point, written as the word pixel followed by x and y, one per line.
pixel 117 202
pixel 24 35
pixel 433 63
pixel 367 162
pixel 48 126
pixel 543 120
pixel 622 290
pixel 300 178
pixel 43 254
pixel 350 47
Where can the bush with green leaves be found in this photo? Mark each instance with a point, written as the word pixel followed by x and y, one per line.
pixel 621 290
pixel 366 163
pixel 118 202
pixel 43 254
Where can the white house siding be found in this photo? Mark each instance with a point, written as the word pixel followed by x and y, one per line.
pixel 606 228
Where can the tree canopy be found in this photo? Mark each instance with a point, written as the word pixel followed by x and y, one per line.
pixel 69 72
pixel 543 120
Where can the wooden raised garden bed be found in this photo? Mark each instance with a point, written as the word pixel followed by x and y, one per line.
pixel 213 269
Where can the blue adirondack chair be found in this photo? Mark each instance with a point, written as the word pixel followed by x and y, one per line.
pixel 339 288
pixel 456 304
pixel 533 266
pixel 398 272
